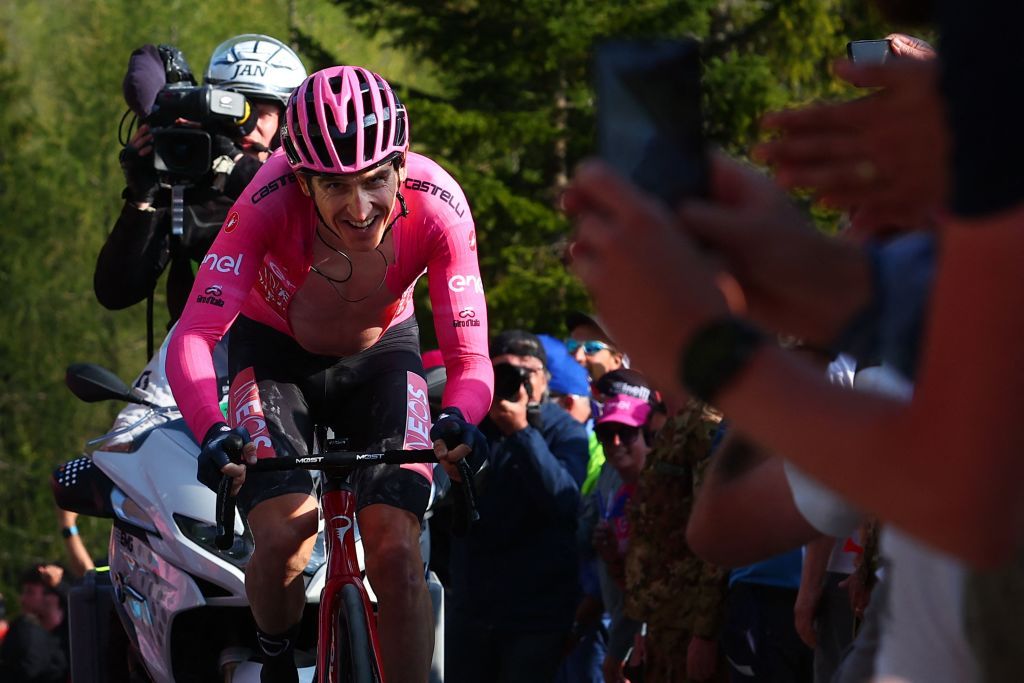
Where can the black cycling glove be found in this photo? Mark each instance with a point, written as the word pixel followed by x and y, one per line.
pixel 139 175
pixel 452 428
pixel 221 445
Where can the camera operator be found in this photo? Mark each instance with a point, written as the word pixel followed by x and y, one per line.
pixel 141 244
pixel 514 575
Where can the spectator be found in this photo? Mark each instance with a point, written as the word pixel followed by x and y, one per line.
pixel 679 596
pixel 36 647
pixel 635 384
pixel 514 585
pixel 140 246
pixel 569 387
pixel 591 346
pixel 604 525
pixel 919 618
pixel 760 640
pixel 78 554
pixel 822 614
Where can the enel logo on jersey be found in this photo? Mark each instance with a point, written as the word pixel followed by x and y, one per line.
pixel 460 283
pixel 223 264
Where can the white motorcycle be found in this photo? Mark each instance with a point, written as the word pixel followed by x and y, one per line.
pixel 172 606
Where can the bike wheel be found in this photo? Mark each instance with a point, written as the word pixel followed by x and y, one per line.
pixel 352 658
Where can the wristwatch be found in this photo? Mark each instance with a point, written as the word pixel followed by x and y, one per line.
pixel 716 354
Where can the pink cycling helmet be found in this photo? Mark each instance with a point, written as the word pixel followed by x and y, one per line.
pixel 344 119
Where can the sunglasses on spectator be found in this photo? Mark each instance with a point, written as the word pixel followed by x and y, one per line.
pixel 607 432
pixel 589 347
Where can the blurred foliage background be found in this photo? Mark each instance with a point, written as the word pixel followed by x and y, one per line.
pixel 498 92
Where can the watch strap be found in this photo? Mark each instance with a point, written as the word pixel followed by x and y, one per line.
pixel 716 354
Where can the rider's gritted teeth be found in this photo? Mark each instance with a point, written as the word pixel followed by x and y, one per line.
pixel 368 223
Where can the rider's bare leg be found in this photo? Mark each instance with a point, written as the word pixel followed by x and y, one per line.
pixel 284 531
pixel 391 543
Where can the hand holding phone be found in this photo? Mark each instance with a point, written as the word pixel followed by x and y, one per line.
pixel 649 116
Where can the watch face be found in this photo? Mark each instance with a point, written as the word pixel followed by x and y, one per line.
pixel 716 354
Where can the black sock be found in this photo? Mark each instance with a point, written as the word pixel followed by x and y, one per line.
pixel 278 656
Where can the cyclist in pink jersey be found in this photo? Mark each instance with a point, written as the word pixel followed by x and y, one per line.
pixel 313 273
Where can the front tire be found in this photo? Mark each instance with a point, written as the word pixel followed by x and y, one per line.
pixel 351 653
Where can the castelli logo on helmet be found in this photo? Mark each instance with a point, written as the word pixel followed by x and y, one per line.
pixel 344 94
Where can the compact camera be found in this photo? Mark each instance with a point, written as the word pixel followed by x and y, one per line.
pixel 508 379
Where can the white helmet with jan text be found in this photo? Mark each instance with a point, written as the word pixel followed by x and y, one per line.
pixel 258 66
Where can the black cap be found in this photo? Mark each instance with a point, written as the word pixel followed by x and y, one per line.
pixel 518 343
pixel 574 319
pixel 628 382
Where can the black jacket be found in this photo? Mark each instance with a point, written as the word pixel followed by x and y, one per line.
pixel 517 568
pixel 140 246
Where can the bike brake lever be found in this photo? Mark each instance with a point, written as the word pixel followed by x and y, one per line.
pixel 466 472
pixel 233 445
pixel 225 514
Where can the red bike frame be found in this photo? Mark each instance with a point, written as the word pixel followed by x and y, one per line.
pixel 338 503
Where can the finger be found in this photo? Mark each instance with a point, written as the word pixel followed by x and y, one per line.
pixel 233 470
pixel 718 226
pixel 460 452
pixel 733 181
pixel 237 474
pixel 817 117
pixel 441 450
pixel 836 117
pixel 812 147
pixel 589 247
pixel 452 471
pixel 249 453
pixel 608 192
pixel 573 201
pixel 911 47
pixel 839 178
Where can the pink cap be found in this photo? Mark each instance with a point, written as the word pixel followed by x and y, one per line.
pixel 626 410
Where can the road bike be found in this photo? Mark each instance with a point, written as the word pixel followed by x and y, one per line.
pixel 347 648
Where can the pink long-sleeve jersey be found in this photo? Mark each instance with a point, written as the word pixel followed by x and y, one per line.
pixel 262 256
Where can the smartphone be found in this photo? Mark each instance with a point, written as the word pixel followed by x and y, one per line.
pixel 869 51
pixel 649 115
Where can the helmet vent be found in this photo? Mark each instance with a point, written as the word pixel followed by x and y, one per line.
pixel 350 120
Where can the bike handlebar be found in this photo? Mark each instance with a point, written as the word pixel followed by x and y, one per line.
pixel 338 459
pixel 327 461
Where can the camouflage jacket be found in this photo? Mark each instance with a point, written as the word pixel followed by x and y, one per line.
pixel 666 584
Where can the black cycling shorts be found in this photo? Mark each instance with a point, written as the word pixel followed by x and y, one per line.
pixel 280 391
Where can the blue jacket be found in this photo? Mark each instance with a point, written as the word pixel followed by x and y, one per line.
pixel 517 568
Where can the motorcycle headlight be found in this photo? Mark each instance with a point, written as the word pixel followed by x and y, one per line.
pixel 127 510
pixel 204 535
